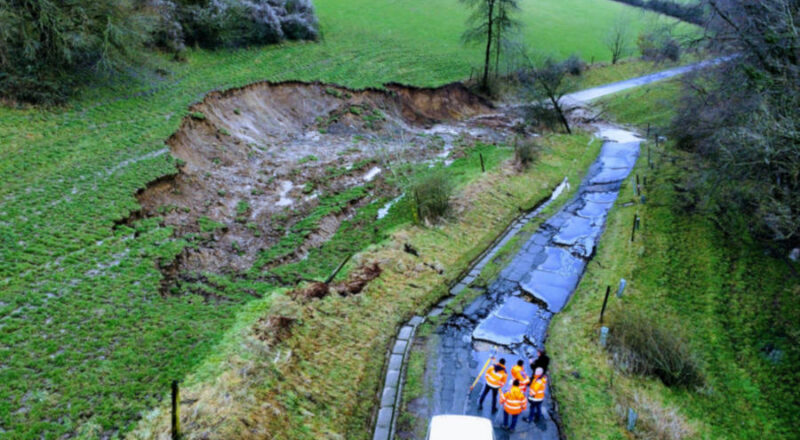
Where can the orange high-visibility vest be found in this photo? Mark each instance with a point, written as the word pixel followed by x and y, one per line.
pixel 513 401
pixel 496 379
pixel 538 386
pixel 518 372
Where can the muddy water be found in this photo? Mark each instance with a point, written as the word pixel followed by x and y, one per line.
pixel 513 314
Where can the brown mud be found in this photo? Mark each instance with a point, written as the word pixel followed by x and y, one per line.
pixel 253 161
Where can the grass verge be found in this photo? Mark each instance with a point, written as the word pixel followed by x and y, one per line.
pixel 736 305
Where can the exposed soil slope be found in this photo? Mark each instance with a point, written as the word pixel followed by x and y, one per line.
pixel 257 160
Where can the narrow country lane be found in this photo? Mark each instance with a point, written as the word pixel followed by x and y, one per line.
pixel 513 315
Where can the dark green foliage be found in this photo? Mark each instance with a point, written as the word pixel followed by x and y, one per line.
pixel 574 65
pixel 43 43
pixel 47 46
pixel 642 344
pixel 431 194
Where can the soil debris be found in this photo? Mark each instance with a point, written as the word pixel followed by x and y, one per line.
pixel 265 156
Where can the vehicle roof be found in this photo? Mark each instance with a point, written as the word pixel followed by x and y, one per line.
pixel 452 427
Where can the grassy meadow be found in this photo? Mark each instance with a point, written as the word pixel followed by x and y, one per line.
pixel 87 342
pixel 734 302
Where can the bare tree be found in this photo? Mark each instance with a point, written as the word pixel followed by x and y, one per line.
pixel 618 40
pixel 547 85
pixel 482 26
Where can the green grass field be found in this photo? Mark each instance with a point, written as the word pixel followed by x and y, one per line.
pixel 732 300
pixel 86 340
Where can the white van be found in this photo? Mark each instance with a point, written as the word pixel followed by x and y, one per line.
pixel 449 427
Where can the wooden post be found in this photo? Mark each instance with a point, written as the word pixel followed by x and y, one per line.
pixel 603 336
pixel 338 269
pixel 605 301
pixel 483 167
pixel 633 228
pixel 176 416
pixel 638 188
pixel 632 416
pixel 648 130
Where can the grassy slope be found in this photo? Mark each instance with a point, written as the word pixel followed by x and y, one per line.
pixel 730 300
pixel 337 352
pixel 84 334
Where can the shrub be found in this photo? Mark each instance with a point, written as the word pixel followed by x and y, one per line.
pixel 659 45
pixel 233 23
pixel 526 152
pixel 643 345
pixel 574 65
pixel 44 45
pixel 431 195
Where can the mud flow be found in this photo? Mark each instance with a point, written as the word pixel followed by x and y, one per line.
pixel 256 160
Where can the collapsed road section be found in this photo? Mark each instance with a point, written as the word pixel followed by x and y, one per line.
pixel 512 315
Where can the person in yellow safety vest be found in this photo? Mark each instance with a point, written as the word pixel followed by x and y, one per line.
pixel 536 395
pixel 496 377
pixel 518 373
pixel 513 403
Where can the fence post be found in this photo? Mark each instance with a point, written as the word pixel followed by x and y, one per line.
pixel 632 416
pixel 483 167
pixel 633 228
pixel 603 336
pixel 605 301
pixel 176 416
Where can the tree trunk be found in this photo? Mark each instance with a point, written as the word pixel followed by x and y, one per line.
pixel 487 61
pixel 557 108
pixel 497 45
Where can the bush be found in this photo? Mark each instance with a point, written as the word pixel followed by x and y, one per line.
pixel 574 65
pixel 234 23
pixel 659 45
pixel 44 44
pixel 642 345
pixel 431 195
pixel 526 152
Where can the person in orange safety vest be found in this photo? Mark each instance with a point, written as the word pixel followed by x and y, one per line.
pixel 518 373
pixel 536 395
pixel 513 403
pixel 496 377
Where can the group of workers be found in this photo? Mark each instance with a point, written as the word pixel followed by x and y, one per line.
pixel 514 400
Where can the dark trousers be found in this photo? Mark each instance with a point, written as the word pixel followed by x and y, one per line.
pixel 486 389
pixel 513 420
pixel 536 410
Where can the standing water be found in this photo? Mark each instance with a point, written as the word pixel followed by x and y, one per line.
pixel 512 317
